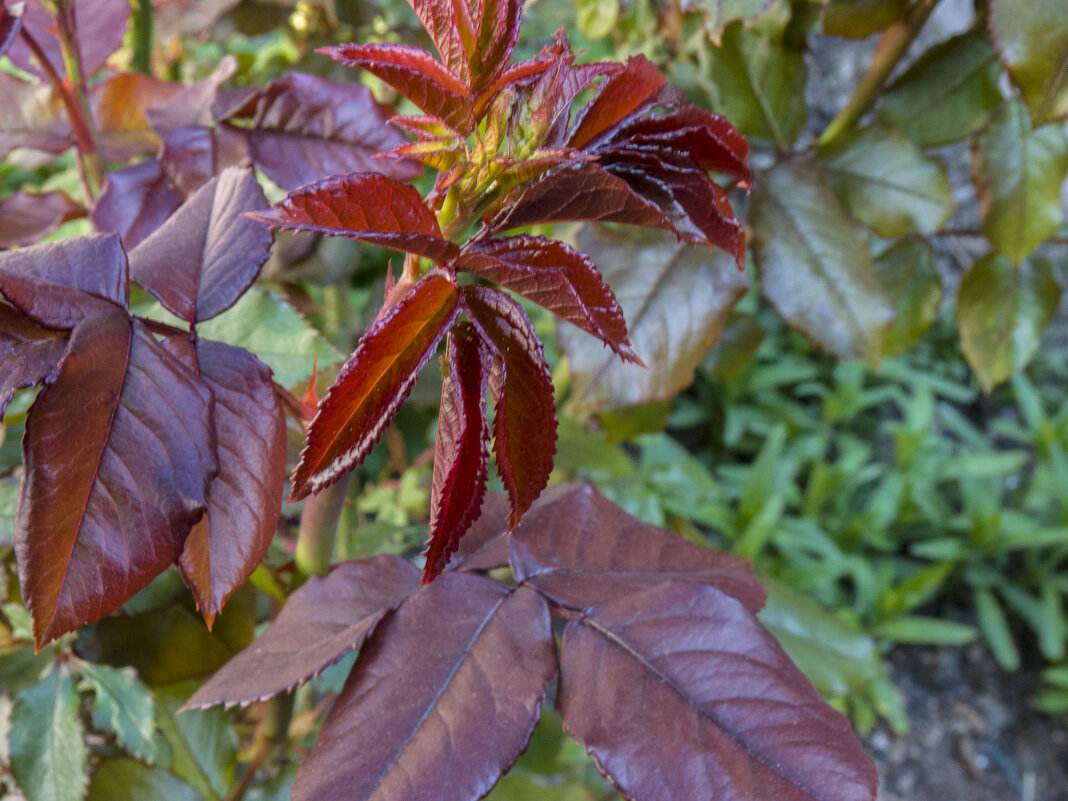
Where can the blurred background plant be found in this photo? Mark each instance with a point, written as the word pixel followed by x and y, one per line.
pixel 877 417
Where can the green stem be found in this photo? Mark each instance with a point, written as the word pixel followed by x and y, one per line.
pixel 318 530
pixel 143 24
pixel 892 46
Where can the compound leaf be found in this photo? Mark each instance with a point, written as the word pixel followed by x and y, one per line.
pixel 888 183
pixel 135 202
pixel 815 266
pixel 1002 311
pixel 460 450
pixel 364 206
pixel 622 94
pixel 556 277
pixel 125 707
pixel 323 620
pixel 1018 174
pixel 446 691
pixel 206 255
pixel 677 691
pixel 615 554
pixel 305 128
pixel 675 297
pixel 374 382
pixel 47 746
pixel 524 422
pixel 245 498
pixel 119 452
pixel 1032 37
pixel 60 284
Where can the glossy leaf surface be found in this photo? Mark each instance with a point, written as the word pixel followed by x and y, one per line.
pixel 374 383
pixel 1032 37
pixel 135 202
pixel 27 353
pixel 365 206
pixel 206 255
pixel 887 182
pixel 638 85
pixel 245 498
pixel 815 266
pixel 416 75
pixel 119 454
pixel 580 549
pixel 322 620
pixel 948 93
pixel 1018 175
pixel 461 446
pixel 729 716
pixel 556 277
pixel 26 218
pixel 456 716
pixel 524 423
pixel 675 298
pixel 1002 311
pixel 305 128
pixel 60 284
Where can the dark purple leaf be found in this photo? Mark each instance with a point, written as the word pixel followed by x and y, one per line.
pixel 416 75
pixel 193 105
pixel 580 549
pixel 245 498
pixel 678 692
pixel 192 155
pixel 136 201
pixel 485 545
pixel 556 277
pixel 99 27
pixel 374 382
pixel 59 284
pixel 306 128
pixel 206 255
pixel 460 449
pixel 27 353
pixel 321 622
pixel 582 192
pixel 442 700
pixel 31 115
pixel 27 217
pixel 364 206
pixel 119 454
pixel 10 24
pixel 524 421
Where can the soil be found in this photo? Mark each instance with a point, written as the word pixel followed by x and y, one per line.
pixel 973 737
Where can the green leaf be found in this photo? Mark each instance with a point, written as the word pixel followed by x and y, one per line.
pixel 837 658
pixel 888 184
pixel 1018 175
pixel 926 630
pixel 675 299
pixel 995 629
pixel 597 18
pixel 913 591
pixel 948 93
pixel 815 265
pixel 737 347
pixel 9 504
pixel 907 273
pixel 526 788
pixel 124 706
pixel 48 753
pixel 129 780
pixel 1032 36
pixel 275 332
pixel 858 19
pixel 202 740
pixel 1002 312
pixel 759 85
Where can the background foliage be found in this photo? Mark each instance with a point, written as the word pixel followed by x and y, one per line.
pixel 876 417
